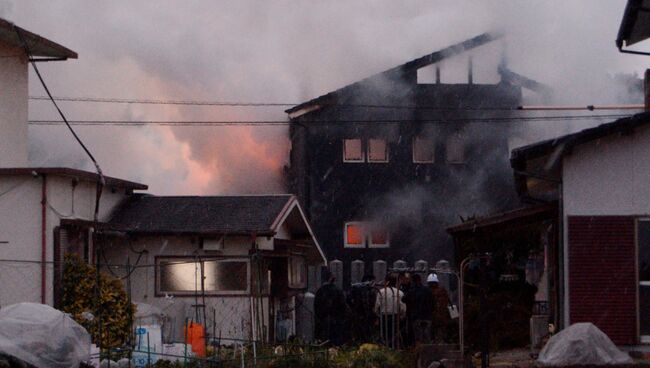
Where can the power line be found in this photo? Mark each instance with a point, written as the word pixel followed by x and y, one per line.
pixel 264 104
pixel 136 123
pixel 289 104
pixel 101 182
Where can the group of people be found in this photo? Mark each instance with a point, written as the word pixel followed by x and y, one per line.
pixel 400 312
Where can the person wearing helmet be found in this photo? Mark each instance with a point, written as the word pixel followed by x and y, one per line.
pixel 440 312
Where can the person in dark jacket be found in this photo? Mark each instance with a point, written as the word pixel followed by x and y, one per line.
pixel 330 310
pixel 419 308
pixel 441 318
pixel 362 299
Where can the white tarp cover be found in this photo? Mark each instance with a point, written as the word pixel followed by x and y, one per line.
pixel 581 344
pixel 42 336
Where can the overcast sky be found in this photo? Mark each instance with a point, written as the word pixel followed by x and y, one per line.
pixel 273 51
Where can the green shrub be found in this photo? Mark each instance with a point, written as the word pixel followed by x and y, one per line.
pixel 112 310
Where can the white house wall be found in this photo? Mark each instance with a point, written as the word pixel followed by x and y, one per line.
pixel 21 227
pixel 13 107
pixel 609 176
pixel 233 318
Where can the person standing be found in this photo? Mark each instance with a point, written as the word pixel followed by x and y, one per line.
pixel 419 308
pixel 329 310
pixel 362 299
pixel 440 312
pixel 390 309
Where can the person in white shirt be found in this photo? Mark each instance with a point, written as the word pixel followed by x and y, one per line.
pixel 390 309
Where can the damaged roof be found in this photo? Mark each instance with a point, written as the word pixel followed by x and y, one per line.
pixel 400 70
pixel 183 215
pixel 38 45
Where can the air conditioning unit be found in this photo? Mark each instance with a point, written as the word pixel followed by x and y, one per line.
pixel 213 244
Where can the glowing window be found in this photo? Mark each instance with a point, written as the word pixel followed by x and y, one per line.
pixel 183 276
pixel 424 150
pixel 378 238
pixel 377 150
pixel 455 149
pixel 354 235
pixel 353 150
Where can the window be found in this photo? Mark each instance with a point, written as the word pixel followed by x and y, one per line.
pixel 183 276
pixel 360 234
pixel 354 235
pixel 455 149
pixel 353 150
pixel 377 150
pixel 378 238
pixel 297 272
pixel 424 150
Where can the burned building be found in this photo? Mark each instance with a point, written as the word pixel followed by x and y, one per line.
pixel 382 166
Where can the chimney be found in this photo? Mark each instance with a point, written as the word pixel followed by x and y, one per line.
pixel 437 74
pixel 646 89
pixel 470 71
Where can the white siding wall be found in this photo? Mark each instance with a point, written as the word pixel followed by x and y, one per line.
pixel 13 107
pixel 610 176
pixel 233 313
pixel 20 225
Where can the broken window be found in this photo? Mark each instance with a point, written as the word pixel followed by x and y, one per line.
pixel 353 150
pixel 354 235
pixel 183 276
pixel 424 150
pixel 455 149
pixel 377 150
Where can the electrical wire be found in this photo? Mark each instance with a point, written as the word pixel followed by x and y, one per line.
pixel 559 118
pixel 259 104
pixel 102 180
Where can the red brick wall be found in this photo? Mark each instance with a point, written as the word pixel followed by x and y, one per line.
pixel 602 274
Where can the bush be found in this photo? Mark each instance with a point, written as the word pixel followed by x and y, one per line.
pixel 112 310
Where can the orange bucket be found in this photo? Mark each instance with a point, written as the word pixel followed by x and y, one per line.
pixel 195 337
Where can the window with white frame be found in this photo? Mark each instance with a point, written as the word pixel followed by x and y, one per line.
pixel 424 150
pixel 182 276
pixel 353 150
pixel 378 238
pixel 455 150
pixel 354 235
pixel 365 234
pixel 377 150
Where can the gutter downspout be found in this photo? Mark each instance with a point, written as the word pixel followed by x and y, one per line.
pixel 44 240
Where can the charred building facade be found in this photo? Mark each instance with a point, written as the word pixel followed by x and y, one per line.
pixel 384 165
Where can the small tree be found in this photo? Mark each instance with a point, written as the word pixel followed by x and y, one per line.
pixel 113 310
